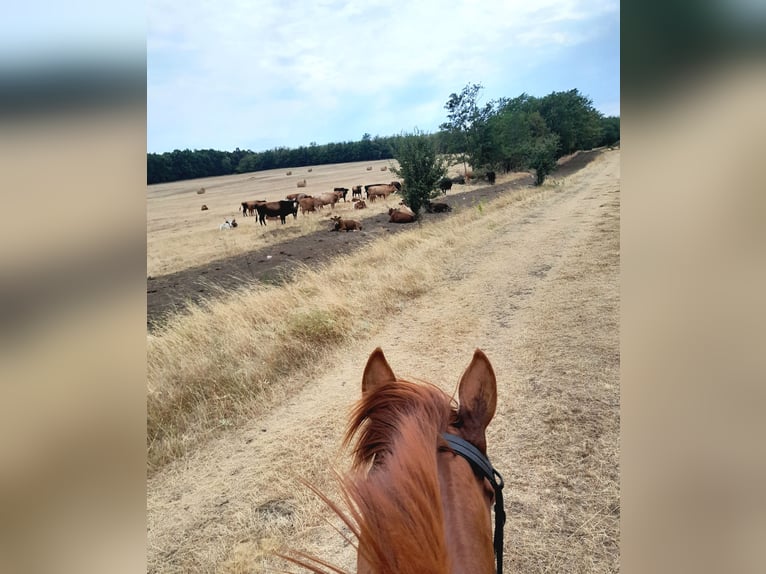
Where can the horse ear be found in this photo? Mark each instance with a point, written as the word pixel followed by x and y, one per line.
pixel 478 399
pixel 377 371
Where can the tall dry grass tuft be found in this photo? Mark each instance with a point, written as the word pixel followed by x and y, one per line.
pixel 233 357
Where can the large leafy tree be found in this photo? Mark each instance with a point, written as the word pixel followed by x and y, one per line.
pixel 420 167
pixel 572 116
pixel 467 126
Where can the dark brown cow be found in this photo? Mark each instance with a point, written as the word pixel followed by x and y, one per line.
pixel 248 207
pixel 491 177
pixel 281 209
pixel 436 207
pixel 445 185
pixel 343 191
pixel 356 191
pixel 360 204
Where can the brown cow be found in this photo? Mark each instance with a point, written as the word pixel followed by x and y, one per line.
pixel 328 198
pixel 343 192
pixel 360 204
pixel 356 191
pixel 308 204
pixel 248 207
pixel 345 224
pixel 396 216
pixel 380 189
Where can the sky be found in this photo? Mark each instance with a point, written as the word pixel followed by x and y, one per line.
pixel 285 73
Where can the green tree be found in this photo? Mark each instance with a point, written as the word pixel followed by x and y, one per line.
pixel 610 127
pixel 420 167
pixel 573 117
pixel 468 125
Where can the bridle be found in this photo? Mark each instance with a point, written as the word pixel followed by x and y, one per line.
pixel 481 464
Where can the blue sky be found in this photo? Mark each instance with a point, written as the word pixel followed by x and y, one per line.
pixel 258 75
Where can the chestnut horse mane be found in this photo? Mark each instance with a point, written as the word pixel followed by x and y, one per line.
pixel 392 496
pixel 396 484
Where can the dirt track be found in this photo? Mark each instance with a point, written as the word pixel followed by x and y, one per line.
pixel 541 298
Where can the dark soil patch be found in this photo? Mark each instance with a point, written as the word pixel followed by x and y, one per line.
pixel 167 295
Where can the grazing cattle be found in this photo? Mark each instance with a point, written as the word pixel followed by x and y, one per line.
pixel 445 185
pixel 360 204
pixel 343 191
pixel 491 177
pixel 281 209
pixel 345 224
pixel 296 196
pixel 379 190
pixel 356 191
pixel 396 216
pixel 204 207
pixel 308 204
pixel 248 207
pixel 329 198
pixel 432 207
pixel 301 183
pixel 397 185
pixel 459 179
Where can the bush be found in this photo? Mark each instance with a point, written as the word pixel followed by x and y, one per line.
pixel 420 168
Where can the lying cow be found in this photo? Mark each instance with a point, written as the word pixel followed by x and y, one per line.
pixel 345 224
pixel 360 204
pixel 281 209
pixel 437 207
pixel 397 216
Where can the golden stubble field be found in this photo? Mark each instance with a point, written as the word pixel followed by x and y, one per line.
pixel 181 235
pixel 261 399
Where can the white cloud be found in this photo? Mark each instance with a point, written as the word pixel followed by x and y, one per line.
pixel 252 62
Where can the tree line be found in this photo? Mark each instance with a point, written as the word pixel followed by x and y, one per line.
pixel 507 134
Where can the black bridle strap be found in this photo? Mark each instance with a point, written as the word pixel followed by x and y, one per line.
pixel 482 465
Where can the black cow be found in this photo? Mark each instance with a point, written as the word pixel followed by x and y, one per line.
pixel 281 208
pixel 445 185
pixel 432 207
pixel 491 177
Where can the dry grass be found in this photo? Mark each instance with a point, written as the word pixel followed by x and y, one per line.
pixel 180 235
pixel 227 359
pixel 532 279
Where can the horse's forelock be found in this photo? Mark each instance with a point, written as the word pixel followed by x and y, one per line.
pixel 378 414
